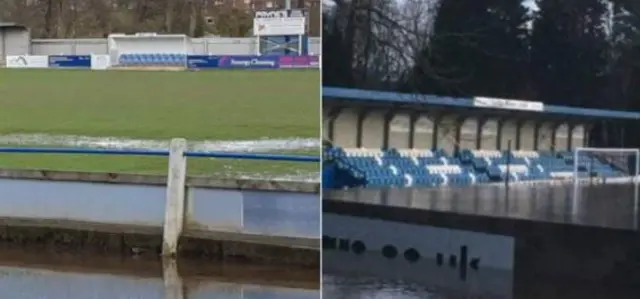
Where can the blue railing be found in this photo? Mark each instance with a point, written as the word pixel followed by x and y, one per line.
pixel 148 152
pixel 254 156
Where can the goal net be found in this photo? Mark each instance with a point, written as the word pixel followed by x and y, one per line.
pixel 605 166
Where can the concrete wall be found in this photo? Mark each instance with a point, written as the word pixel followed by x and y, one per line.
pixel 379 128
pixel 289 214
pixel 419 253
pixel 343 128
pixel 489 134
pixel 13 41
pixel 399 131
pixel 588 241
pixel 215 46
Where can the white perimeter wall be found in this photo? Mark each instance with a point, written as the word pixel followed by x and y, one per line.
pixel 495 253
pixel 248 211
pixel 214 46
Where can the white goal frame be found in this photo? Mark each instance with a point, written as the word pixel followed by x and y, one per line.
pixel 578 150
pixel 633 178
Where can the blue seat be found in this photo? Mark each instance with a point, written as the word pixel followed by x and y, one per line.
pixel 436 168
pixel 153 59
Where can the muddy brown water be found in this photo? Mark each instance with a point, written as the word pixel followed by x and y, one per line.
pixel 43 275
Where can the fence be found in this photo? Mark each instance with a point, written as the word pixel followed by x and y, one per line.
pixel 176 176
pixel 162 61
pixel 202 46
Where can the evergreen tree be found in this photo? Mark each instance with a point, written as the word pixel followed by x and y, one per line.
pixel 623 73
pixel 569 52
pixel 336 63
pixel 477 47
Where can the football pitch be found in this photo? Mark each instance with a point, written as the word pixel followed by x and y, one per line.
pixel 236 110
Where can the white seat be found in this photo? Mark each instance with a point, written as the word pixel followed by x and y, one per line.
pixel 526 154
pixel 514 168
pixel 486 153
pixel 417 153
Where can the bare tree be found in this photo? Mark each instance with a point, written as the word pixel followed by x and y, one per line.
pixel 48 19
pixel 96 18
pixel 382 38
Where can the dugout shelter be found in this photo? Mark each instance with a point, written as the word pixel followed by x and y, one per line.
pixel 15 39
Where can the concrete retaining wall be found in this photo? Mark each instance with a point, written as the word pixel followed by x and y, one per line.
pixel 256 212
pixel 544 252
pixel 272 214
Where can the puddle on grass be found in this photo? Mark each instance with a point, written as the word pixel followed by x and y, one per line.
pixel 297 176
pixel 259 145
pixel 264 145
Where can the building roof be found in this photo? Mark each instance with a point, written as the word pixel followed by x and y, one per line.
pixel 11 25
pixel 407 98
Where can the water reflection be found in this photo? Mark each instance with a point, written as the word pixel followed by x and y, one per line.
pixel 355 278
pixel 347 276
pixel 43 276
pixel 339 286
pixel 371 277
pixel 612 205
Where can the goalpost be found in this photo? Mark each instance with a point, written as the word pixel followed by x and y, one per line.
pixel 588 161
pixel 606 166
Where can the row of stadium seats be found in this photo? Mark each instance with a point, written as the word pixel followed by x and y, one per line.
pixel 153 59
pixel 405 168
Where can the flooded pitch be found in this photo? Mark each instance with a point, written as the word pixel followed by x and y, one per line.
pixel 54 275
pixel 260 145
pixel 263 145
pixel 354 286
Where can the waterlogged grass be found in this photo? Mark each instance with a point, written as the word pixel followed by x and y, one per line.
pixel 215 105
pixel 158 165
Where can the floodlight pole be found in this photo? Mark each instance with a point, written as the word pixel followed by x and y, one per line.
pixel 635 188
pixel 508 170
pixel 508 176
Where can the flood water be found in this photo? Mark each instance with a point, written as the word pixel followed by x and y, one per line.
pixel 35 275
pixel 343 287
pixel 339 286
pixel 347 278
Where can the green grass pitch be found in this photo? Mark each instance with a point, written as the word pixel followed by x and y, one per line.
pixel 212 105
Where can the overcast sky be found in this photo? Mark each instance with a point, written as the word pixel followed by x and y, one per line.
pixel 531 4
